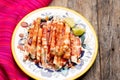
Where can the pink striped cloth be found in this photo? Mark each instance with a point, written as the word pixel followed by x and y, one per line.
pixel 11 12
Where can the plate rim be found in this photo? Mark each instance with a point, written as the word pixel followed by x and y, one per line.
pixel 55 7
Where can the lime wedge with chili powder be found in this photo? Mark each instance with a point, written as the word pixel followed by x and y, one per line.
pixel 78 31
pixel 69 21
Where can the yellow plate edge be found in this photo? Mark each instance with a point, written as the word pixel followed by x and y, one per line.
pixel 55 7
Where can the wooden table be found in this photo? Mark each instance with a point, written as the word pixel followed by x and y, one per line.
pixel 104 15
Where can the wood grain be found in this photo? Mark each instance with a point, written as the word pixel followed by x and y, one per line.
pixel 109 40
pixel 104 15
pixel 59 3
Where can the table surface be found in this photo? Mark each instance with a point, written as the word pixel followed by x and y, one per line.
pixel 104 15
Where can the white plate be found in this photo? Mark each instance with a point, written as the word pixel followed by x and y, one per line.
pixel 87 59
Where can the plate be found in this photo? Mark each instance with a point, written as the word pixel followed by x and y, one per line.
pixel 88 56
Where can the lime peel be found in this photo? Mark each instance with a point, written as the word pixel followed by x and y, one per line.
pixel 78 31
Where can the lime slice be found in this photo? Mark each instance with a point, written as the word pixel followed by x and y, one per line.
pixel 78 31
pixel 70 21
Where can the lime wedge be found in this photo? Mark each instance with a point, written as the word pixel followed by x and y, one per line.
pixel 70 21
pixel 78 31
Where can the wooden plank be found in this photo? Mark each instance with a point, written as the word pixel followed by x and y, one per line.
pixel 62 3
pixel 109 38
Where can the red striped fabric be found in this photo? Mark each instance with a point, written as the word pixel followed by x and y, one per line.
pixel 11 12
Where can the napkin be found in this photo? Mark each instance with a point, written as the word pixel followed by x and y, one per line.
pixel 11 12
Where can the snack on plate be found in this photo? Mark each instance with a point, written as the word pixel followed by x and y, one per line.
pixel 51 42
